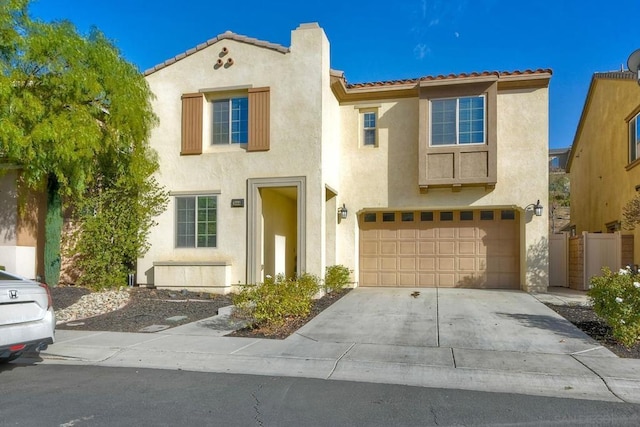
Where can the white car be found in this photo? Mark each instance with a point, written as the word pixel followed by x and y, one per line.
pixel 27 319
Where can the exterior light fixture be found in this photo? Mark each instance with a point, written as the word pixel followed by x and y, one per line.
pixel 537 208
pixel 342 212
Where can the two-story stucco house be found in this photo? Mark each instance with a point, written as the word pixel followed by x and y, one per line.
pixel 605 158
pixel 276 164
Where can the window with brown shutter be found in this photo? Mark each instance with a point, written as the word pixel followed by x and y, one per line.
pixel 192 105
pixel 259 111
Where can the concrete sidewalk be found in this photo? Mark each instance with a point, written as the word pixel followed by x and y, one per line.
pixel 487 340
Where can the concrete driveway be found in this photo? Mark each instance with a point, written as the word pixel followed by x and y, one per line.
pixel 494 320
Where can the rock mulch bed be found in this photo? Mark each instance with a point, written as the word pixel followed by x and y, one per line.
pixel 589 322
pixel 131 309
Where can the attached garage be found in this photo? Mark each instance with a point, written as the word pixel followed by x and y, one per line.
pixel 466 248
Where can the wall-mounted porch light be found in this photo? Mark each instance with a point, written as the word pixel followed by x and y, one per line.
pixel 537 208
pixel 342 212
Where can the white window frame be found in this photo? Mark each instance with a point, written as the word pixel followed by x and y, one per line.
pixel 457 123
pixel 230 120
pixel 634 139
pixel 370 129
pixel 195 220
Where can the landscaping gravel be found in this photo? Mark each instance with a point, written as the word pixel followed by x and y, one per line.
pixel 131 309
pixel 589 322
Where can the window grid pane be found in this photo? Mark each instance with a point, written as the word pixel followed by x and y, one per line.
pixel 207 221
pixel 221 121
pixel 185 230
pixel 471 120
pixel 239 120
pixel 196 221
pixel 369 125
pixel 458 121
pixel 231 121
pixel 443 122
pixel 634 139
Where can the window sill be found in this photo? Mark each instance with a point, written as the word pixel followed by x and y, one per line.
pixel 633 164
pixel 224 148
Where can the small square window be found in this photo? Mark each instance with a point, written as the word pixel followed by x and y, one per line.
pixel 388 216
pixel 446 216
pixel 426 216
pixel 486 215
pixel 508 215
pixel 407 216
pixel 466 216
pixel 370 217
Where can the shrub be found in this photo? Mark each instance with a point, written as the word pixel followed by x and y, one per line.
pixel 272 302
pixel 616 298
pixel 336 277
pixel 114 225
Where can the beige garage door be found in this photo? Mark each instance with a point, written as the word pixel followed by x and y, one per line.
pixel 472 249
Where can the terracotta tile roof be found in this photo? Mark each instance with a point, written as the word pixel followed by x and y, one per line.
pixel 622 75
pixel 227 35
pixel 448 77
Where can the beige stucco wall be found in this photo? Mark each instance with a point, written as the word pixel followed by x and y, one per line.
pixel 296 90
pixel 386 176
pixel 600 183
pixel 18 235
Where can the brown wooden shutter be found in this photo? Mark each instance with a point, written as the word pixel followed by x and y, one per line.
pixel 192 104
pixel 259 111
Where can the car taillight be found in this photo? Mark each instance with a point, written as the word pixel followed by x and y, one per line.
pixel 49 298
pixel 17 347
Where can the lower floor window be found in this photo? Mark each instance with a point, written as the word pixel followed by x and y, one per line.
pixel 196 221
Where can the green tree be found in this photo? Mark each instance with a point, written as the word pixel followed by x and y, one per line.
pixel 631 213
pixel 559 190
pixel 75 117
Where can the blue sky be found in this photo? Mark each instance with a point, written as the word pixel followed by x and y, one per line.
pixel 382 40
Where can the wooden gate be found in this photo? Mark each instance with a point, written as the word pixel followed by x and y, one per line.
pixel 559 260
pixel 590 252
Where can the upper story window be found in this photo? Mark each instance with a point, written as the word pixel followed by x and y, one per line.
pixel 458 121
pixel 224 117
pixel 369 121
pixel 196 221
pixel 230 121
pixel 634 139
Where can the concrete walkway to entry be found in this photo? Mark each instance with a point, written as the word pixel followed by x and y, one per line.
pixel 488 340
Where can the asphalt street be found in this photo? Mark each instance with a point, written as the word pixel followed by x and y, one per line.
pixel 59 395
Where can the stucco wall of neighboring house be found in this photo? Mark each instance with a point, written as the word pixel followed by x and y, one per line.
pixel 386 176
pixel 19 233
pixel 602 181
pixel 296 82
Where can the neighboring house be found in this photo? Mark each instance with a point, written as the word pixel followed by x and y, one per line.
pixel 605 159
pixel 21 229
pixel 558 158
pixel 275 164
pixel 559 190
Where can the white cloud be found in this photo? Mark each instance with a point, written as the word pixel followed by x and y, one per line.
pixel 421 50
